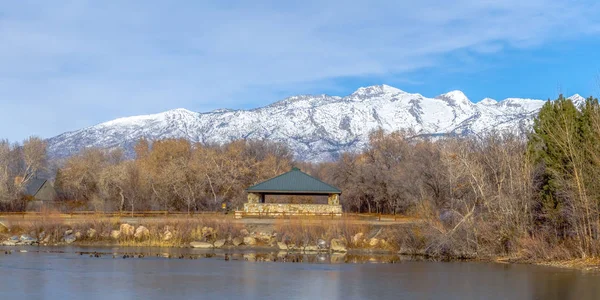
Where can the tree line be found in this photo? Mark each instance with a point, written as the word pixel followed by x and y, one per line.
pixel 489 193
pixel 169 175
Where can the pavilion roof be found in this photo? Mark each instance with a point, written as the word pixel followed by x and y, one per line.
pixel 294 182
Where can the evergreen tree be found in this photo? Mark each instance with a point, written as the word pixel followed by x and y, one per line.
pixel 563 145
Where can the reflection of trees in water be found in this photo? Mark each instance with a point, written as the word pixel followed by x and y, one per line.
pixel 316 257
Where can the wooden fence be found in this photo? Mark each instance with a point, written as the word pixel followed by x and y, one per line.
pixel 174 214
pixel 137 214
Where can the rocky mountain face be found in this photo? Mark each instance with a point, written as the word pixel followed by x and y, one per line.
pixel 316 128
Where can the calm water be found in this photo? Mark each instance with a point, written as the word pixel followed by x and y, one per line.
pixel 69 275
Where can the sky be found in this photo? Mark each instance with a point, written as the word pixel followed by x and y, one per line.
pixel 66 65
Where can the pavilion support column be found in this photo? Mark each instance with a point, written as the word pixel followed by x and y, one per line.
pixel 333 199
pixel 254 198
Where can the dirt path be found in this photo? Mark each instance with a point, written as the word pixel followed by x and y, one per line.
pixel 11 220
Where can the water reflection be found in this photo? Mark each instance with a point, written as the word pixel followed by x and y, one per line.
pixel 187 273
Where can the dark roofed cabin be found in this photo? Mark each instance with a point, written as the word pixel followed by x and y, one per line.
pixel 39 192
pixel 294 182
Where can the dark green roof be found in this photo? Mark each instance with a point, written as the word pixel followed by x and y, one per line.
pixel 294 181
pixel 33 186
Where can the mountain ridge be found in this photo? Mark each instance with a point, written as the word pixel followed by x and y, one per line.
pixel 316 127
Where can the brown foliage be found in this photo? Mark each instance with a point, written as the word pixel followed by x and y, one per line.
pixel 170 174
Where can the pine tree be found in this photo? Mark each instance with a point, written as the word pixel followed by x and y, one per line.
pixel 563 145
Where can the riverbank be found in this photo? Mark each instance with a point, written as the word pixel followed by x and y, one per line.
pixel 584 264
pixel 201 232
pixel 295 236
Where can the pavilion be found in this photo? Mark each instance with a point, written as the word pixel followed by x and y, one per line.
pixel 294 182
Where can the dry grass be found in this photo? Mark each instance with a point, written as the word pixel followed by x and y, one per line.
pixel 538 249
pixel 586 264
pixel 184 230
pixel 307 231
pixel 301 231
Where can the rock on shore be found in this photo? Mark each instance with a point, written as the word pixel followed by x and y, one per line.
pixel 249 241
pixel 69 239
pixel 236 241
pixel 201 245
pixel 219 243
pixel 282 246
pixel 141 232
pixel 115 234
pixel 24 239
pixel 127 230
pixel 338 245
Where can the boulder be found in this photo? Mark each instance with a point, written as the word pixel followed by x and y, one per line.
pixel 167 236
pixel 373 242
pixel 264 238
pixel 311 248
pixel 141 232
pixel 69 239
pixel 12 241
pixel 115 234
pixel 358 238
pixel 236 241
pixel 201 245
pixel 91 233
pixel 249 241
pixel 321 244
pixel 282 246
pixel 244 232
pixel 338 245
pixel 127 230
pixel 27 239
pixel 219 243
pixel 68 232
pixel 78 234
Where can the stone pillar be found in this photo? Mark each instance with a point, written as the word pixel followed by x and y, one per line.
pixel 333 199
pixel 254 198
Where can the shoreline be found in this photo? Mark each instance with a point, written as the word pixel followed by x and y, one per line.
pixel 369 255
pixel 294 237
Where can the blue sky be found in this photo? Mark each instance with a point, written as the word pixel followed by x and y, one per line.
pixel 71 64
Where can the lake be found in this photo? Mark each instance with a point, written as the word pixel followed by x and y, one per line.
pixel 70 273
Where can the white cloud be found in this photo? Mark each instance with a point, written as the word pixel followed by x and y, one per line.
pixel 82 62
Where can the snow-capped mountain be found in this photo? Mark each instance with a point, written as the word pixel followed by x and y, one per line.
pixel 317 127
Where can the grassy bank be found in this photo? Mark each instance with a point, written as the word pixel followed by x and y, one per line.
pixel 352 234
pixel 180 232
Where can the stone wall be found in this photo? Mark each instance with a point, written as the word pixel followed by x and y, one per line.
pixel 253 198
pixel 333 199
pixel 275 209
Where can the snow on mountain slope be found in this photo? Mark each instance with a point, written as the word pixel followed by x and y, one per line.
pixel 315 127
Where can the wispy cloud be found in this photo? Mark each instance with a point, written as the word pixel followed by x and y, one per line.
pixel 74 64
